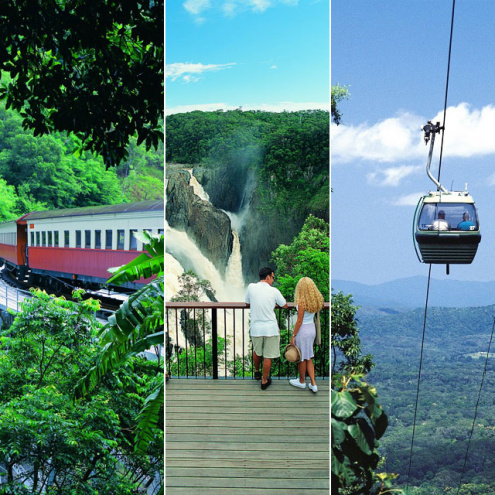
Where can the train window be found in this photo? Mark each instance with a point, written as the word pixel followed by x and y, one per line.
pixel 32 238
pixel 66 238
pixel 50 237
pixel 43 238
pixel 108 243
pixel 87 239
pixel 37 238
pixel 161 231
pixel 120 239
pixel 132 240
pixel 78 238
pixel 97 239
pixel 55 238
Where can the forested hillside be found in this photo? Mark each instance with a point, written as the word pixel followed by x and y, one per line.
pixel 271 167
pixel 288 151
pixel 456 343
pixel 44 172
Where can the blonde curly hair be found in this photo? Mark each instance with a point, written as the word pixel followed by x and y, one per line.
pixel 308 296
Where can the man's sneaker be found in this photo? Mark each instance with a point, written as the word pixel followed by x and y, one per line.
pixel 313 388
pixel 296 383
pixel 264 386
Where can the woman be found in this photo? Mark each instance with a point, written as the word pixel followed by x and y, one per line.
pixel 308 300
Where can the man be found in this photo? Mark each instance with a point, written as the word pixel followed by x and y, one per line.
pixel 441 223
pixel 264 331
pixel 466 224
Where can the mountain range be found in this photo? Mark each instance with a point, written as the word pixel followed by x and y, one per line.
pixel 406 293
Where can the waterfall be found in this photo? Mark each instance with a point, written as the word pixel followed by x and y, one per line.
pixel 197 187
pixel 183 255
pixel 185 251
pixel 233 274
pixel 174 270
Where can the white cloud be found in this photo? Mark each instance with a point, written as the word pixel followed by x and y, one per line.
pixel 408 199
pixel 195 7
pixel 491 180
pixel 230 8
pixel 393 176
pixel 393 139
pixel 469 132
pixel 185 70
pixel 267 107
pixel 273 67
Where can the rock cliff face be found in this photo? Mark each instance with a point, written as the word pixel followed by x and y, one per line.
pixel 263 231
pixel 208 226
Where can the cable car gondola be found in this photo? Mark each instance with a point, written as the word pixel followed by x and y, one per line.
pixel 447 228
pixel 446 223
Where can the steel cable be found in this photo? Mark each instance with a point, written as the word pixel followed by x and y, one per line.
pixel 446 90
pixel 419 376
pixel 476 408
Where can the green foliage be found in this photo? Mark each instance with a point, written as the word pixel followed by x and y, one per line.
pixel 338 93
pixel 454 355
pixel 346 343
pixel 358 422
pixel 288 152
pixel 194 323
pixel 136 326
pixel 59 446
pixel 38 173
pixel 93 69
pixel 196 360
pixel 307 256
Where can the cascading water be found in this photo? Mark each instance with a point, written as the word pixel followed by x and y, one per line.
pixel 197 187
pixel 231 288
pixel 233 274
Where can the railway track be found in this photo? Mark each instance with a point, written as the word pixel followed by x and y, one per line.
pixel 109 301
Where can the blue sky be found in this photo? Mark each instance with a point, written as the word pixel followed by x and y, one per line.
pixel 393 57
pixel 256 54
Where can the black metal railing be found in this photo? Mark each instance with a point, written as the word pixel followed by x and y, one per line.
pixel 211 340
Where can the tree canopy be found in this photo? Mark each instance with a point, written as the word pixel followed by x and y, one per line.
pixel 51 444
pixel 338 93
pixel 95 69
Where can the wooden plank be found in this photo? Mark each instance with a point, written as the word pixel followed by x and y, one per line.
pixel 229 437
pixel 285 464
pixel 302 484
pixel 260 472
pixel 244 491
pixel 259 455
pixel 238 439
pixel 247 454
pixel 255 423
pixel 222 431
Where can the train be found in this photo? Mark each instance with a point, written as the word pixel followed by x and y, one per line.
pixel 75 247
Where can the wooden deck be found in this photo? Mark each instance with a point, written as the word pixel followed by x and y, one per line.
pixel 231 437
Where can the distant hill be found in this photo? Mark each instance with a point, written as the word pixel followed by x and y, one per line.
pixel 455 347
pixel 411 293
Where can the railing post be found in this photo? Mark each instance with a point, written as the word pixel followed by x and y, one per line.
pixel 214 344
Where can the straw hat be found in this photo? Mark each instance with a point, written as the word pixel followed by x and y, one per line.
pixel 292 353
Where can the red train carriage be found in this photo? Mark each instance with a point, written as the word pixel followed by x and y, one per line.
pixel 77 244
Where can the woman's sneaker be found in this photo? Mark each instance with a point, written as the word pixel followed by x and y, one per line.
pixel 296 383
pixel 313 388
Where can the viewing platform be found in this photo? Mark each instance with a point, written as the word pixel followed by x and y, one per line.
pixel 231 437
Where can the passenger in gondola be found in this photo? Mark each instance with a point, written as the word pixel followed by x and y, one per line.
pixel 466 224
pixel 440 223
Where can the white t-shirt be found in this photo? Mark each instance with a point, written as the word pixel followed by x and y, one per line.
pixel 263 298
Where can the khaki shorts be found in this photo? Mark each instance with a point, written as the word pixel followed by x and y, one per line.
pixel 268 347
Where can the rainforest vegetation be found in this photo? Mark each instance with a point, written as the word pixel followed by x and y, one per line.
pixel 288 152
pixel 456 343
pixel 43 172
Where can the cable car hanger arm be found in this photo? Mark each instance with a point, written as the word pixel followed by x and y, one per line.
pixel 430 130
